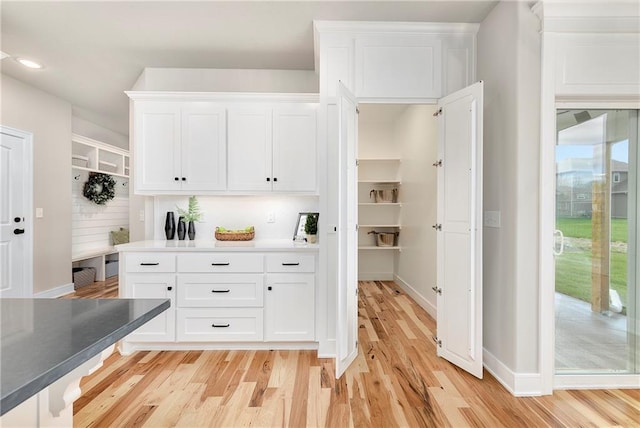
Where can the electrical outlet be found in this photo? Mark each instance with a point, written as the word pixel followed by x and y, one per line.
pixel 271 217
pixel 141 215
pixel 39 212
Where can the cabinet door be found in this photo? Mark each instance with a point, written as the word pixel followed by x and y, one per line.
pixel 294 149
pixel 398 66
pixel 153 286
pixel 249 148
pixel 156 145
pixel 290 307
pixel 203 150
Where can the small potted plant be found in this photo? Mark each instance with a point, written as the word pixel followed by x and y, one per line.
pixel 190 215
pixel 311 228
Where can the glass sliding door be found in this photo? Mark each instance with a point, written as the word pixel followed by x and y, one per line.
pixel 596 254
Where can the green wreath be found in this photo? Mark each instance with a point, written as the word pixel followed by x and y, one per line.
pixel 99 188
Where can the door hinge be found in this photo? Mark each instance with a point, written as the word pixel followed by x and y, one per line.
pixel 357 162
pixel 437 164
pixel 438 113
pixel 438 341
pixel 356 344
pixel 357 227
pixel 437 290
pixel 437 226
pixel 357 110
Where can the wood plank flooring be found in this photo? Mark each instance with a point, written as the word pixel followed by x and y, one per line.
pixel 97 290
pixel 397 380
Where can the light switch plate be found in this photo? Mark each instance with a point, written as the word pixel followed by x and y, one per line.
pixel 39 212
pixel 141 215
pixel 492 218
pixel 271 217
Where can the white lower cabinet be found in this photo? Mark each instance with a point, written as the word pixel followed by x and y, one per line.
pixel 290 307
pixel 220 324
pixel 223 297
pixel 153 286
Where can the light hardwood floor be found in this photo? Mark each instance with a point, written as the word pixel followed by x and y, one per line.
pixel 397 380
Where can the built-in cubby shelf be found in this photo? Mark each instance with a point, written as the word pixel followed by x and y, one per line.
pixel 94 156
pixel 377 174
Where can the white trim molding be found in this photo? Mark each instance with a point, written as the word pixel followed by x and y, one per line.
pixel 597 381
pixel 518 384
pixel 227 97
pixel 420 300
pixel 55 292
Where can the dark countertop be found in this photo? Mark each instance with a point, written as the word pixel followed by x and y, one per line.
pixel 42 340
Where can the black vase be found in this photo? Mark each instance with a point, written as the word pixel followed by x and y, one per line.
pixel 182 229
pixel 191 231
pixel 170 226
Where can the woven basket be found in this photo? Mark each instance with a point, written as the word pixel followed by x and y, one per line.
pixel 235 236
pixel 384 239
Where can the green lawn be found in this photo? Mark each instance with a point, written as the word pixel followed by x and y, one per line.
pixel 581 228
pixel 573 268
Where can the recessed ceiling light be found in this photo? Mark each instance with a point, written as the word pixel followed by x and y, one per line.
pixel 29 63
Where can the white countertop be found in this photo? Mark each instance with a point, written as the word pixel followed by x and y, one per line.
pixel 258 245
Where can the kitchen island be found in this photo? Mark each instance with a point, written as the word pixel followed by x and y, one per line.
pixel 48 345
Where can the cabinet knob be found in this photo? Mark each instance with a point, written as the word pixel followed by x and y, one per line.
pixel 176 178
pixel 269 288
pixel 268 179
pixel 275 178
pixel 184 178
pixel 169 288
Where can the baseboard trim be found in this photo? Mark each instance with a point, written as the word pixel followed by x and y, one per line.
pixel 518 384
pixel 327 349
pixel 420 300
pixel 55 292
pixel 597 381
pixel 375 276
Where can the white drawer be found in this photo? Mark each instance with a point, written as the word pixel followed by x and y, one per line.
pixel 221 262
pixel 220 290
pixel 150 262
pixel 222 325
pixel 291 262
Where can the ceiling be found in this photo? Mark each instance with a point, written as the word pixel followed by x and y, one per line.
pixel 94 50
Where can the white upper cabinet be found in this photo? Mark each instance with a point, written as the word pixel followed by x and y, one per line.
pixel 250 130
pixel 224 143
pixel 203 147
pixel 273 148
pixel 395 61
pixel 398 66
pixel 179 147
pixel 294 149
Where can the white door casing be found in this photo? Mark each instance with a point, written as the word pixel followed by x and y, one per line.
pixel 459 224
pixel 16 225
pixel 347 298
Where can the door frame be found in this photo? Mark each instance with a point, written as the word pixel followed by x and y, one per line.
pixel 27 170
pixel 549 105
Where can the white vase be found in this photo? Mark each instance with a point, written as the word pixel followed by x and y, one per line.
pixel 312 239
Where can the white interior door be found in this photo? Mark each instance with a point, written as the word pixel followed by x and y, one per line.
pixel 15 207
pixel 347 295
pixel 459 237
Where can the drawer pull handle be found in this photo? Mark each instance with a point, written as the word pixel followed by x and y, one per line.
pixel 220 264
pixel 149 264
pixel 290 264
pixel 220 291
pixel 219 325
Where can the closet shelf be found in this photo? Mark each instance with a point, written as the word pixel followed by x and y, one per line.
pixel 379 160
pixel 399 226
pixel 373 247
pixel 378 204
pixel 380 181
pixel 81 168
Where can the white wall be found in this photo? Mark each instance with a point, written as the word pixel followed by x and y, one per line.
pixel 88 129
pixel 416 133
pixel 49 119
pixel 509 64
pixel 227 80
pixel 238 212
